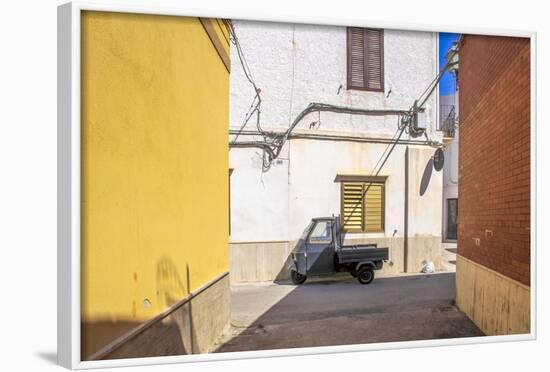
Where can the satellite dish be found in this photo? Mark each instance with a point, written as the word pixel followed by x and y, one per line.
pixel 439 159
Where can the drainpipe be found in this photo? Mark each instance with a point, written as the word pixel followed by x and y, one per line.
pixel 406 213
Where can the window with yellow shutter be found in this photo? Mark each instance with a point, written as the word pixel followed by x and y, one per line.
pixel 362 204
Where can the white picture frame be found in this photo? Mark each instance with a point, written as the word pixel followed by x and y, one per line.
pixel 69 184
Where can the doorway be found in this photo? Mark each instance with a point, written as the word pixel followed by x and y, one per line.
pixel 452 217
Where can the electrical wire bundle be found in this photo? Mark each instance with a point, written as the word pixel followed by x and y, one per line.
pixel 272 143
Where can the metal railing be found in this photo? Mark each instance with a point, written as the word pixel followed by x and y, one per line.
pixel 447 120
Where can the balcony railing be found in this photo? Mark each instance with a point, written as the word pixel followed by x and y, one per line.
pixel 447 120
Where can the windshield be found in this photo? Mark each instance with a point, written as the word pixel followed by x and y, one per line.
pixel 306 231
pixel 322 232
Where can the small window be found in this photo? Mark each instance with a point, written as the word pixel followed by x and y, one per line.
pixel 365 50
pixel 362 205
pixel 322 233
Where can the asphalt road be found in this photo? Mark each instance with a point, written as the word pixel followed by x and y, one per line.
pixel 340 312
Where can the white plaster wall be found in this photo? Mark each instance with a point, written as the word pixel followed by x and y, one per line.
pixel 313 192
pixel 259 201
pixel 295 65
pixel 268 52
pixel 425 212
pixel 450 169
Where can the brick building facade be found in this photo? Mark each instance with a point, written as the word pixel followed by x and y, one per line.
pixel 493 268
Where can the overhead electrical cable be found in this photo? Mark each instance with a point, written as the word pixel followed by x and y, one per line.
pixel 257 100
pixel 429 90
pixel 382 161
pixel 272 143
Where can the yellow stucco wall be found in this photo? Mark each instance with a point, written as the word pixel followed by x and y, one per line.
pixel 155 113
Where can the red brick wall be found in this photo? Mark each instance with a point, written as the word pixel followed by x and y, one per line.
pixel 494 150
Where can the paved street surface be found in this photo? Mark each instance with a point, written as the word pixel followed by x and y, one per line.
pixel 339 312
pixel 448 257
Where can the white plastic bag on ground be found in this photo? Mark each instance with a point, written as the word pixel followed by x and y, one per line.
pixel 428 268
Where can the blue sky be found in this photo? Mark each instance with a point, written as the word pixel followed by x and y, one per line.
pixel 448 83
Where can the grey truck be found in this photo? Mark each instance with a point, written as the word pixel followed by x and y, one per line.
pixel 321 252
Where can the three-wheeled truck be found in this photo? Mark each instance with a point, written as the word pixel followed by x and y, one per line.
pixel 321 252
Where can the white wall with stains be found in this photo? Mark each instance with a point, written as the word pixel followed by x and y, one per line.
pixel 295 65
pixel 259 201
pixel 313 191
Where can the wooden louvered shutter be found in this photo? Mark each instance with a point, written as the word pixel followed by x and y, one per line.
pixel 362 207
pixel 365 59
pixel 374 62
pixel 356 58
pixel 352 206
pixel 374 208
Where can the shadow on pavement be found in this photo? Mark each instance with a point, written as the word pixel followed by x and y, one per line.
pixel 342 312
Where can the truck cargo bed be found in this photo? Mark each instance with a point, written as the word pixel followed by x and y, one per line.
pixel 361 252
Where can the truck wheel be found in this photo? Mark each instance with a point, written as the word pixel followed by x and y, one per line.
pixel 365 275
pixel 297 278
